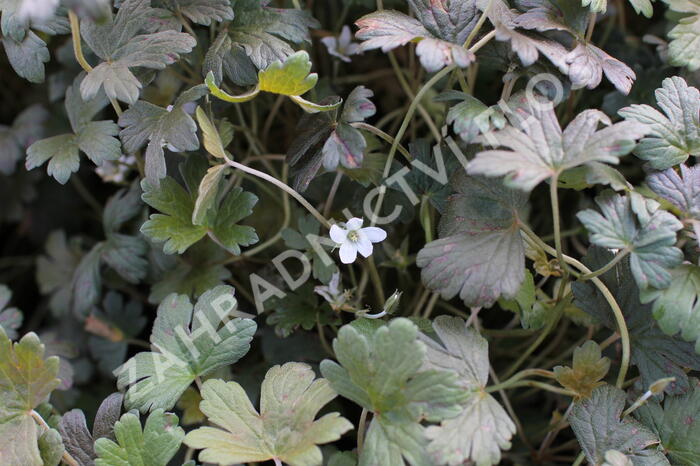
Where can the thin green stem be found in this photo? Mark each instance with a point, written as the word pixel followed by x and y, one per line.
pixel 522 375
pixel 483 41
pixel 479 24
pixel 402 130
pixel 77 44
pixel 67 458
pixel 283 187
pixel 425 219
pixel 554 200
pixel 591 26
pixel 431 305
pixel 80 57
pixel 618 257
pixel 361 430
pixel 376 280
pixel 322 336
pixel 579 459
pixel 538 341
pixel 331 194
pixel 277 236
pixel 378 132
pixel 617 312
pixel 535 384
pixel 409 92
pixel 86 195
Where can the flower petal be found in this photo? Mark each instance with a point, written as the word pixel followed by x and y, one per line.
pixel 374 234
pixel 339 235
pixel 348 253
pixel 354 223
pixel 363 244
pixel 345 36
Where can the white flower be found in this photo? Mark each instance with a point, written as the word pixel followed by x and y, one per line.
pixel 334 294
pixel 342 46
pixel 353 239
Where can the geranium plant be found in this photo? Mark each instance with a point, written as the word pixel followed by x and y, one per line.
pixel 349 232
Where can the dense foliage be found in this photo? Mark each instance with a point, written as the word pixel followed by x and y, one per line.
pixel 349 232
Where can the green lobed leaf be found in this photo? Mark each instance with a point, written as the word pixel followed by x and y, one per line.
pixel 585 64
pixel 96 139
pixel 26 381
pixel 153 445
pixel 192 274
pixel 640 226
pixel 26 128
pixel 299 308
pixel 381 370
pixel 677 308
pixel 589 369
pixel 122 44
pixel 290 77
pixel 175 225
pixel 265 33
pixel 202 12
pixel 598 428
pixel 483 428
pixel 683 48
pixel 441 28
pixel 284 430
pixel 55 270
pixel 158 127
pixel 655 354
pixel 676 424
pixel 190 341
pixel 674 135
pixel 11 318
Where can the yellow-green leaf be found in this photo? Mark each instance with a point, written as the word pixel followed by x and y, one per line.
pixel 212 140
pixel 588 370
pixel 286 429
pixel 26 380
pixel 291 77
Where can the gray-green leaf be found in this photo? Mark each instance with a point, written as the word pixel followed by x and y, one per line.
pixel 483 428
pixel 676 423
pixel 539 149
pixel 598 428
pixel 638 225
pixel 121 44
pixel 672 137
pixel 96 139
pixel 480 255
